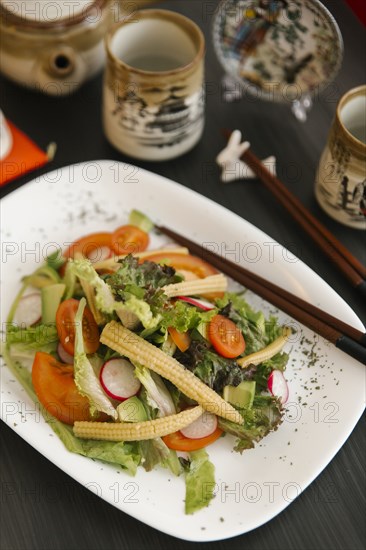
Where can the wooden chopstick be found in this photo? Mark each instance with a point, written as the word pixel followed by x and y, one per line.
pixel 288 199
pixel 334 249
pixel 342 335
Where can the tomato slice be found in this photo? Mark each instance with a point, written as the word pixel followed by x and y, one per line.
pixel 129 239
pixel 65 325
pixel 54 385
pixel 181 339
pixel 226 337
pixel 186 262
pixel 178 442
pixel 86 245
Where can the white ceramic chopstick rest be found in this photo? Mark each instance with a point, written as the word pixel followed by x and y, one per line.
pixel 233 168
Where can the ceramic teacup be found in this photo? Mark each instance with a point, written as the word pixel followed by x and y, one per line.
pixel 53 47
pixel 277 50
pixel 340 186
pixel 153 103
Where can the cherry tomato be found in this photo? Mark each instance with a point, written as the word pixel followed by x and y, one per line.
pixel 54 385
pixel 129 239
pixel 186 262
pixel 86 245
pixel 226 337
pixel 65 325
pixel 178 442
pixel 181 339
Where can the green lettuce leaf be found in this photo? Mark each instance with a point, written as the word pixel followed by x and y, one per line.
pixel 142 310
pixel 144 281
pixel 278 361
pixel 39 338
pixel 55 260
pixel 258 331
pixel 134 288
pixel 83 269
pixel 157 394
pixel 184 317
pixel 154 452
pixel 172 462
pixel 264 416
pixel 85 377
pixel 262 371
pixel 138 289
pixel 200 482
pixel 123 454
pixel 215 371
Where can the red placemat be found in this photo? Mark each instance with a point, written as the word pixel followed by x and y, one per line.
pixel 24 156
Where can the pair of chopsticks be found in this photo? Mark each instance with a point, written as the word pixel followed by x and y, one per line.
pixel 343 336
pixel 346 263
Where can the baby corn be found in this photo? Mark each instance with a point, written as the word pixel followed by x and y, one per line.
pixel 267 352
pixel 137 431
pixel 140 351
pixel 214 283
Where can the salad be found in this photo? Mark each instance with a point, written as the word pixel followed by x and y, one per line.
pixel 143 358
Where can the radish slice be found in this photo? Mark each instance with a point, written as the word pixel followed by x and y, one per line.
pixel 118 379
pixel 100 254
pixel 277 385
pixel 29 310
pixel 64 356
pixel 204 426
pixel 202 304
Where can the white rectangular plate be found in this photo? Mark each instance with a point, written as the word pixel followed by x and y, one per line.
pixel 326 386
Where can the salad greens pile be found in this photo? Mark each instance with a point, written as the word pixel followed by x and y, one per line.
pixel 137 288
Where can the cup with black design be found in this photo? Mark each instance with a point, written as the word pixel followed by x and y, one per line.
pixel 340 185
pixel 277 50
pixel 153 96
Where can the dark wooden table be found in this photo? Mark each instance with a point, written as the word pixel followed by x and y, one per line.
pixel 41 507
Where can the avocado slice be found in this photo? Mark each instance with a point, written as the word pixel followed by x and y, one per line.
pixel 242 395
pixel 140 220
pixel 51 299
pixel 132 410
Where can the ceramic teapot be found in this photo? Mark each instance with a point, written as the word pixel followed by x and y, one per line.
pixel 54 47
